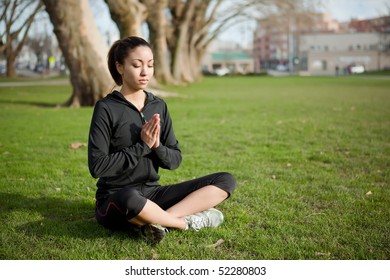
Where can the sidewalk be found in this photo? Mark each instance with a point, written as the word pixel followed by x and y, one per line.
pixel 31 78
pixel 37 82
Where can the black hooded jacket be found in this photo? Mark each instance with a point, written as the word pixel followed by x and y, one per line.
pixel 116 153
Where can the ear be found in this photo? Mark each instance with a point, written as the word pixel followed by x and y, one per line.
pixel 119 68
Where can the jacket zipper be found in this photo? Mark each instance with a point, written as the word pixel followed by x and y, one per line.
pixel 142 117
pixel 148 162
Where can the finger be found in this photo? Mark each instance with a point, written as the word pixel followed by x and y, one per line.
pixel 157 118
pixel 157 130
pixel 146 129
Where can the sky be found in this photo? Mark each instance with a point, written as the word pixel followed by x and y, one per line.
pixel 344 10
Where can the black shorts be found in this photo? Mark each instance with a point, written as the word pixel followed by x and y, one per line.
pixel 115 210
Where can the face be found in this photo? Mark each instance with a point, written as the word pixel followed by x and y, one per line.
pixel 137 69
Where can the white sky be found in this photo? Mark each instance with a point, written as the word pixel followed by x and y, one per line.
pixel 344 10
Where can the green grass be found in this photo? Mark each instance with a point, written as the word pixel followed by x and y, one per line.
pixel 305 153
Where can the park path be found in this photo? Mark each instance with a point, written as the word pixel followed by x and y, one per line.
pixel 39 82
pixel 35 83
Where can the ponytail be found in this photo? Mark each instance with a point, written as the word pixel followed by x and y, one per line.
pixel 111 61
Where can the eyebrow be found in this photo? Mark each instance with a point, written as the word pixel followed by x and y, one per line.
pixel 138 59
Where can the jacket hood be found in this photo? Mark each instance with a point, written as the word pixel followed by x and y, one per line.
pixel 118 97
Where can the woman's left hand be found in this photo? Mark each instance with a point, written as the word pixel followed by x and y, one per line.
pixel 150 132
pixel 157 131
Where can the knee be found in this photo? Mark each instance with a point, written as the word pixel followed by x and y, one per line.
pixel 227 182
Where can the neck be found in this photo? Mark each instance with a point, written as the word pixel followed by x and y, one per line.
pixel 137 98
pixel 131 92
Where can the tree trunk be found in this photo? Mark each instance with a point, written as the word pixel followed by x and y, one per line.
pixel 83 49
pixel 181 67
pixel 198 32
pixel 11 57
pixel 128 16
pixel 157 23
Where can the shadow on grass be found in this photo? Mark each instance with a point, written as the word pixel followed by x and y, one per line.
pixel 61 218
pixel 32 103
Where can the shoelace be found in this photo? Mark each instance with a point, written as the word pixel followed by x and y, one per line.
pixel 197 222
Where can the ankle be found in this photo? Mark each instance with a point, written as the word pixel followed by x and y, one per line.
pixel 184 225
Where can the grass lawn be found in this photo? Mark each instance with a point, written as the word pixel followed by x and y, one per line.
pixel 311 157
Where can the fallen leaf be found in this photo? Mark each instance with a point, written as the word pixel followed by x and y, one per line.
pixel 77 145
pixel 322 254
pixel 154 255
pixel 369 193
pixel 216 244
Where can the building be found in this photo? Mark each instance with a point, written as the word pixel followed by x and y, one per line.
pixel 227 58
pixel 228 63
pixel 321 53
pixel 276 38
pixel 380 24
pixel 313 43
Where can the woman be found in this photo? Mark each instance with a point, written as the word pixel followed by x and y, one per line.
pixel 131 137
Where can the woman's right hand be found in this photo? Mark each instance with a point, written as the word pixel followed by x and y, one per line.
pixel 150 131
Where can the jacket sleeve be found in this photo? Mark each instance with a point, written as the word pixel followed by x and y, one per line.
pixel 101 162
pixel 168 152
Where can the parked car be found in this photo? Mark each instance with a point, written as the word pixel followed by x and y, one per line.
pixel 39 68
pixel 222 71
pixel 282 68
pixel 3 70
pixel 357 69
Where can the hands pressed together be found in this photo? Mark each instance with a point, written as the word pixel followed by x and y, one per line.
pixel 150 132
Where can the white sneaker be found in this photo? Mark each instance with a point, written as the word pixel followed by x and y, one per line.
pixel 205 219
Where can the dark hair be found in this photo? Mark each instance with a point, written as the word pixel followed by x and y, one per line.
pixel 119 51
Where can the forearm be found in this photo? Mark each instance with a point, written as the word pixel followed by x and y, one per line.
pixel 169 157
pixel 102 164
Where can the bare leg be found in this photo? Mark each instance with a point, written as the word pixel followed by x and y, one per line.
pixel 153 214
pixel 200 200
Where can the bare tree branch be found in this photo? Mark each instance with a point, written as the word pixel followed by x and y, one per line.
pixel 13 18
